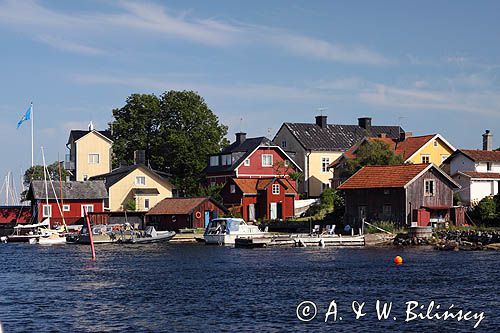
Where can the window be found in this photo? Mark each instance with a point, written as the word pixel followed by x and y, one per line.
pixel 276 188
pixel 247 162
pixel 93 158
pixel 488 166
pixel 283 144
pixel 66 208
pixel 429 187
pixel 267 160
pixel 87 209
pixel 435 143
pixel 387 210
pixel 426 159
pixel 47 211
pixel 287 163
pixel 140 180
pixel 214 160
pixel 324 186
pixel 226 160
pixel 444 157
pixel 146 203
pixel 325 162
pixel 232 188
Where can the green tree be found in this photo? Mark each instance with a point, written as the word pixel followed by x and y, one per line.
pixel 486 209
pixel 213 191
pixel 372 153
pixel 129 205
pixel 177 130
pixel 36 173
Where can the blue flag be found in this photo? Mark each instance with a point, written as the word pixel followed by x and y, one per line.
pixel 26 116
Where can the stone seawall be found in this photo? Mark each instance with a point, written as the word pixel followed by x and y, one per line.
pixel 455 240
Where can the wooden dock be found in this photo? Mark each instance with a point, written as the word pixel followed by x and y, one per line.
pixel 301 240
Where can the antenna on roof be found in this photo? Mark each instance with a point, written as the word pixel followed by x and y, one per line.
pixel 241 124
pixel 321 109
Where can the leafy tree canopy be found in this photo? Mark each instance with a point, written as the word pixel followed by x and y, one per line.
pixel 372 153
pixel 36 173
pixel 177 131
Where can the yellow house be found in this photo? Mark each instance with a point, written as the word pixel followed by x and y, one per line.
pixel 433 148
pixel 89 153
pixel 135 186
pixel 314 146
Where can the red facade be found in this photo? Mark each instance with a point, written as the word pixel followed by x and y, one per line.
pixel 74 213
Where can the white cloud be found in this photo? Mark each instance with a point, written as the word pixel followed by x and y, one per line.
pixel 68 32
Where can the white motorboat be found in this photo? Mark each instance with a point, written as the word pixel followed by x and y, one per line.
pixel 226 230
pixel 150 235
pixel 29 232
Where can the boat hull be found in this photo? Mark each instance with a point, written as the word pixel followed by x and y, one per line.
pixel 161 237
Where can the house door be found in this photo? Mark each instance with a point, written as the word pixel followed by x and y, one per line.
pixel 362 212
pixel 251 212
pixel 274 210
pixel 207 218
pixel 280 210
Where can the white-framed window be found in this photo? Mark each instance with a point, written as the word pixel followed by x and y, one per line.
pixel 93 158
pixel 146 203
pixel 214 160
pixel 283 144
pixel 429 187
pixel 140 180
pixel 325 163
pixel 47 211
pixel 286 163
pixel 226 160
pixel 232 188
pixel 276 189
pixel 426 159
pixel 247 162
pixel 267 160
pixel 65 208
pixel 444 157
pixel 488 166
pixel 87 208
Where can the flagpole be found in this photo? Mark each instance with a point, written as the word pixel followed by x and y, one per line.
pixel 32 123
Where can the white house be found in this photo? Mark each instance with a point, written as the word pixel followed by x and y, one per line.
pixel 477 171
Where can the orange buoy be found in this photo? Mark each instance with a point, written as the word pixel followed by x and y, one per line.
pixel 398 260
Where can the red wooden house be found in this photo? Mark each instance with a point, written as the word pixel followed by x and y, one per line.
pixel 12 215
pixel 76 197
pixel 251 169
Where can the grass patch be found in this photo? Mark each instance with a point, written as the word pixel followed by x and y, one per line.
pixel 386 225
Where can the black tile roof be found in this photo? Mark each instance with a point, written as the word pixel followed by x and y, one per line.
pixel 77 134
pixel 117 174
pixel 336 137
pixel 240 151
pixel 72 190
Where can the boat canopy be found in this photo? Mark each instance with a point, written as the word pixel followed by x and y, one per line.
pixel 44 223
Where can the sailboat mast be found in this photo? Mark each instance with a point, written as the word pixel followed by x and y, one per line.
pixel 32 140
pixel 45 178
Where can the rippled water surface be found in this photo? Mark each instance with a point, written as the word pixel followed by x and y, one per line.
pixel 188 288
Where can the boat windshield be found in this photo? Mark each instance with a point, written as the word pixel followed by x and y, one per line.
pixel 234 225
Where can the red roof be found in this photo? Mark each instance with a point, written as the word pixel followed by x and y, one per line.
pixel 405 148
pixel 252 185
pixel 176 206
pixel 489 175
pixel 390 176
pixel 482 155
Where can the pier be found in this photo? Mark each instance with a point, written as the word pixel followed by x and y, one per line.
pixel 300 240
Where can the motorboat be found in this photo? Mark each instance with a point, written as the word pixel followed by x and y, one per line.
pixel 150 235
pixel 29 232
pixel 104 233
pixel 225 231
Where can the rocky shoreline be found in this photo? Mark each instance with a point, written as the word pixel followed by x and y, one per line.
pixel 455 240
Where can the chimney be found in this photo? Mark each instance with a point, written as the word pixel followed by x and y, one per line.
pixel 404 135
pixel 487 140
pixel 91 126
pixel 139 157
pixel 365 123
pixel 382 135
pixel 321 121
pixel 240 138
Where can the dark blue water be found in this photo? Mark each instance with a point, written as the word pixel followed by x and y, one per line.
pixel 188 288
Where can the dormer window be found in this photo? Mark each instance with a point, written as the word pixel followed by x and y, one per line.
pixel 214 160
pixel 226 160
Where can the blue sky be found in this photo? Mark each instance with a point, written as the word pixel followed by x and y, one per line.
pixel 431 66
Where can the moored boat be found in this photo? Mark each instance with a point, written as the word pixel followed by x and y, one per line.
pixel 150 235
pixel 226 230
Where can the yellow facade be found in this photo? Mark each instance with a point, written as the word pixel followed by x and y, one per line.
pixel 87 148
pixel 435 151
pixel 318 177
pixel 126 189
